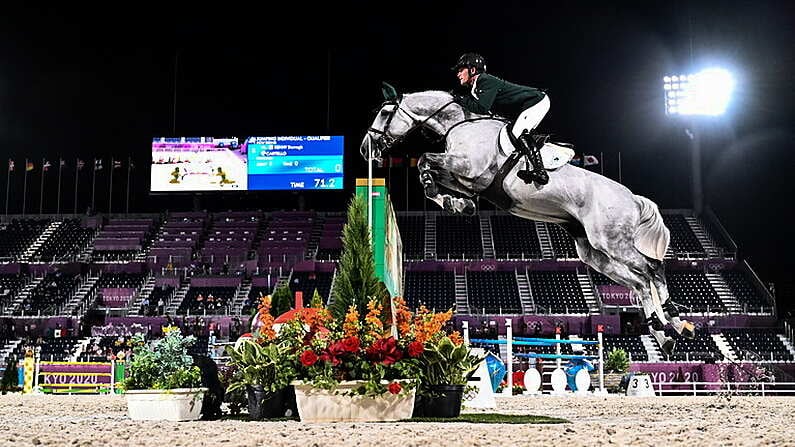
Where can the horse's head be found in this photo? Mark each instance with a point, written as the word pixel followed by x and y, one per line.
pixel 399 115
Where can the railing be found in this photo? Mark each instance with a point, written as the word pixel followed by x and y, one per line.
pixel 702 388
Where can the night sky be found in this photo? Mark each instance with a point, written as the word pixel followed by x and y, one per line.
pixel 101 82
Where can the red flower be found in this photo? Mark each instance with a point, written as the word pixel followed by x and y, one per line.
pixel 385 351
pixel 518 378
pixel 330 358
pixel 350 344
pixel 308 358
pixel 394 387
pixel 416 349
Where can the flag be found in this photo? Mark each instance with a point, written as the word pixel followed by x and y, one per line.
pixel 97 164
pixel 590 160
pixel 116 164
pixel 80 164
pixel 45 166
pixel 576 161
pixel 10 164
pixel 413 162
pixel 29 166
pixel 131 165
pixel 63 163
pixel 396 162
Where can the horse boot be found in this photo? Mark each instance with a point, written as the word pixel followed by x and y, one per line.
pixel 666 343
pixel 683 327
pixel 533 153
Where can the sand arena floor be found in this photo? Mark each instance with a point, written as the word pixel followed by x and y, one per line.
pixel 693 421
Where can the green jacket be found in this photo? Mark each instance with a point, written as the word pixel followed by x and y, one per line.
pixel 500 97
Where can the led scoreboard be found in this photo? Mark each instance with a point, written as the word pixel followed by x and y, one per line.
pixel 288 163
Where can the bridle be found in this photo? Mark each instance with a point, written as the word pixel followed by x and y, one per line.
pixel 387 140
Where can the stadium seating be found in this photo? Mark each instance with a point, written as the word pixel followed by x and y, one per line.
pixel 493 292
pixel 49 295
pixel 557 292
pixel 66 242
pixel 683 241
pixel 17 236
pixel 9 288
pixel 693 291
pixel 562 243
pixel 757 344
pixel 700 348
pixel 207 300
pixel 435 290
pixel 412 234
pixel 514 238
pixel 750 299
pixel 307 282
pixel 458 237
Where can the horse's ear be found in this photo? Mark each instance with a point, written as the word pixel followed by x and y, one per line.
pixel 390 94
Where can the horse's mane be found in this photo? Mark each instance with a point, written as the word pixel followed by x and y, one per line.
pixel 448 97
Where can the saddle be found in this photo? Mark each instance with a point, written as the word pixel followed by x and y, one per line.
pixel 553 154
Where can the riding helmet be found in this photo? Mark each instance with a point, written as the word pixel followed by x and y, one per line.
pixel 470 60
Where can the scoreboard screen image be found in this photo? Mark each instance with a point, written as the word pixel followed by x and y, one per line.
pixel 185 164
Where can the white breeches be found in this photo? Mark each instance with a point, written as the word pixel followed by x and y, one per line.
pixel 530 118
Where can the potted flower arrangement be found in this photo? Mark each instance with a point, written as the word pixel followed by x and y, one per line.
pixel 616 367
pixel 263 367
pixel 163 383
pixel 445 367
pixel 351 370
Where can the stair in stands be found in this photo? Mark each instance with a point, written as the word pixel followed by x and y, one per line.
pixel 486 237
pixel 85 255
pixel 461 300
pixel 652 350
pixel 179 295
pixel 724 293
pixel 528 306
pixel 430 236
pixel 82 298
pixel 787 343
pixel 724 347
pixel 544 240
pixel 6 350
pixel 144 293
pixel 241 296
pixel 314 238
pixel 24 293
pixel 588 292
pixel 157 231
pixel 39 241
pixel 702 236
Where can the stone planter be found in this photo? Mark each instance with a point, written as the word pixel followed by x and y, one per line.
pixel 180 404
pixel 319 405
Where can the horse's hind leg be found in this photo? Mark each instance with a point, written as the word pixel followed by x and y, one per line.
pixel 638 283
pixel 683 327
pixel 432 175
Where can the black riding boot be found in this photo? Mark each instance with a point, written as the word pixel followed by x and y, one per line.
pixel 538 174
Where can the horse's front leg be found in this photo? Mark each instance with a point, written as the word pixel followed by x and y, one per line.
pixel 431 167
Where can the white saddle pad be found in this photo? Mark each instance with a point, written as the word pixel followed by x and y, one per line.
pixel 553 155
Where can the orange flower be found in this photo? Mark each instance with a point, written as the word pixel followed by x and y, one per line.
pixel 403 316
pixel 456 338
pixel 351 325
pixel 372 319
pixel 265 318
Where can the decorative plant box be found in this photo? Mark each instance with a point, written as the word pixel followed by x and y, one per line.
pixel 319 405
pixel 180 404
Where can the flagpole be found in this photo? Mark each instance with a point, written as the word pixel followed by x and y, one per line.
pixel 77 172
pixel 93 186
pixel 110 189
pixel 41 188
pixel 129 167
pixel 60 169
pixel 25 188
pixel 619 167
pixel 8 185
pixel 602 157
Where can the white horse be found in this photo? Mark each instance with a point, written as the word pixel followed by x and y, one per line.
pixel 616 232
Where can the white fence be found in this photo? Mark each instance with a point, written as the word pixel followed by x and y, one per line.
pixel 704 388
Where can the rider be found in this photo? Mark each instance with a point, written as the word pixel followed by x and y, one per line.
pixel 490 94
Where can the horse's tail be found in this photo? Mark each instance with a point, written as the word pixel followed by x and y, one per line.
pixel 651 235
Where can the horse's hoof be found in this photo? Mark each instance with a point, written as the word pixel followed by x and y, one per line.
pixel 431 191
pixel 447 204
pixel 469 208
pixel 668 346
